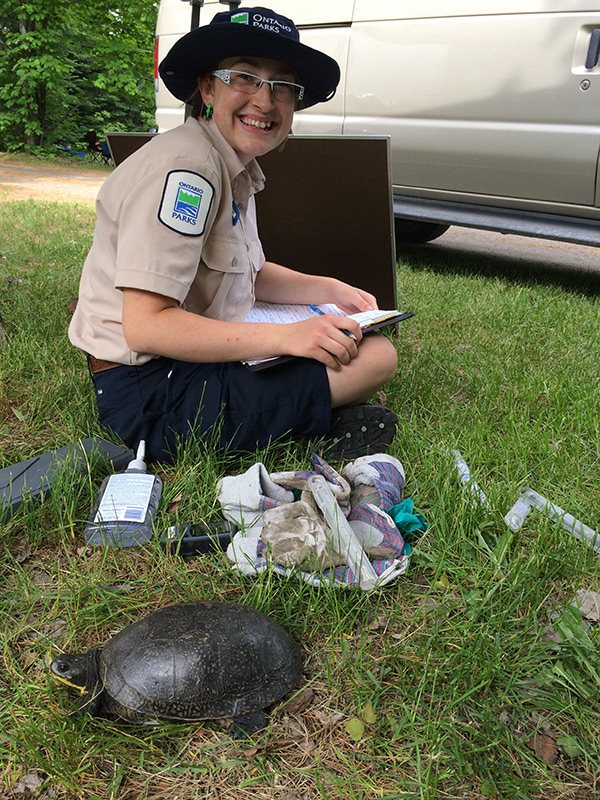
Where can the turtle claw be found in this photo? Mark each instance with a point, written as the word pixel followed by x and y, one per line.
pixel 246 725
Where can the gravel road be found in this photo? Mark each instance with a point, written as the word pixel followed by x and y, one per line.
pixel 20 180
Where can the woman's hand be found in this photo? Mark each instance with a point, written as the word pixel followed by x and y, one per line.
pixel 351 299
pixel 330 339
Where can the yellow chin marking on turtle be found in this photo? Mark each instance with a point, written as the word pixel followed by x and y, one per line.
pixel 48 661
pixel 69 683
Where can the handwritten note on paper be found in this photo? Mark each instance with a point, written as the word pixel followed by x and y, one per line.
pixel 282 313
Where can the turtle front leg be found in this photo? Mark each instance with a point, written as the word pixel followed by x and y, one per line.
pixel 91 701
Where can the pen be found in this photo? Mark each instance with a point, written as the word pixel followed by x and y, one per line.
pixel 321 313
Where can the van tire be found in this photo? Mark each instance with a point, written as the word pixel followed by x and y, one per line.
pixel 410 230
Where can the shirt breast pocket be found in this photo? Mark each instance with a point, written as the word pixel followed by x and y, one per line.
pixel 226 276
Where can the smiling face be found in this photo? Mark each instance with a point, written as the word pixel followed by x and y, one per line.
pixel 252 124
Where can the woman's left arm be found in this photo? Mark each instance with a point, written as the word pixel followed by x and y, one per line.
pixel 278 284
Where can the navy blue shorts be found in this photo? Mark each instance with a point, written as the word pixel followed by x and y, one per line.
pixel 223 405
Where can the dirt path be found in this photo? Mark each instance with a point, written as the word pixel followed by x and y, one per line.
pixel 24 179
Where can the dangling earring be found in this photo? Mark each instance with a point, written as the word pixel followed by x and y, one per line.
pixel 208 112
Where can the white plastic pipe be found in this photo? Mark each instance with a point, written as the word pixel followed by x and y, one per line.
pixel 568 521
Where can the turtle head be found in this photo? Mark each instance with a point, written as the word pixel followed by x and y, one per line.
pixel 81 671
pixel 72 669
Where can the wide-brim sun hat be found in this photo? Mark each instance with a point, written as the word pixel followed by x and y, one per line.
pixel 256 32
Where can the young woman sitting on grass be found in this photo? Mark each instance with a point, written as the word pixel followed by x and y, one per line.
pixel 176 264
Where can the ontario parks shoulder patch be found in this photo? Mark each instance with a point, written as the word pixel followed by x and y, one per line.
pixel 186 201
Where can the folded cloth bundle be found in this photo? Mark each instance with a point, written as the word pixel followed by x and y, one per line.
pixel 243 498
pixel 293 536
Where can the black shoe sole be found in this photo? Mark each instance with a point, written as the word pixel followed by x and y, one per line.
pixel 358 431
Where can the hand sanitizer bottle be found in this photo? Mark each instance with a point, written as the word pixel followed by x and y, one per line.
pixel 126 506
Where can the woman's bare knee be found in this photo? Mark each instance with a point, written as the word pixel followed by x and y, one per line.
pixel 387 358
pixel 375 365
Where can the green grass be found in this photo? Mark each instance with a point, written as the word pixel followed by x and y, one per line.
pixel 449 669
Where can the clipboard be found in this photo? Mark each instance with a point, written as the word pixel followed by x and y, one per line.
pixel 392 319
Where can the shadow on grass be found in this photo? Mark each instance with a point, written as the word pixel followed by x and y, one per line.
pixel 516 269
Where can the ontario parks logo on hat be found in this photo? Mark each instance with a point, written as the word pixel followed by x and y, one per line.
pixel 241 16
pixel 271 24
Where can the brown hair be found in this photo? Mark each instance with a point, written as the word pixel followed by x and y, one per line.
pixel 197 103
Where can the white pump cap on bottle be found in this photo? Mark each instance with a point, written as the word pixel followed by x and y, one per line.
pixel 138 462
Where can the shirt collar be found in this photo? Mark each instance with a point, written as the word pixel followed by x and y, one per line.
pixel 248 179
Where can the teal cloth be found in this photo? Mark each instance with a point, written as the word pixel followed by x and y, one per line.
pixel 409 524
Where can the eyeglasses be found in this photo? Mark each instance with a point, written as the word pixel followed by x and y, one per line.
pixel 284 91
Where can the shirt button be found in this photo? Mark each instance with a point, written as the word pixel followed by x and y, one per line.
pixel 234 262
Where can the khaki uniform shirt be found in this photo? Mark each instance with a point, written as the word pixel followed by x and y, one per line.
pixel 165 224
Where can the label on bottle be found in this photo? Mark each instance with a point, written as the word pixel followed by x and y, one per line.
pixel 126 498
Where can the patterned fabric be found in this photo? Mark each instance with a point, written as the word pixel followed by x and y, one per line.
pixel 265 503
pixel 298 481
pixel 320 467
pixel 323 468
pixel 383 530
pixel 390 484
pixel 377 479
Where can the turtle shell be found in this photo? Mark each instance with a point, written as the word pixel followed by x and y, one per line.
pixel 200 660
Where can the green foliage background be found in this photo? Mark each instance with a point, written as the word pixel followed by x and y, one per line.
pixel 69 66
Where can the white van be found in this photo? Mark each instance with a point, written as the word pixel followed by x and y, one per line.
pixel 493 106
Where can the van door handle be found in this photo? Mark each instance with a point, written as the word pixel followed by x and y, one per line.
pixel 593 53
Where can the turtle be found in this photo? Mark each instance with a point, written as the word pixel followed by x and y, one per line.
pixel 207 659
